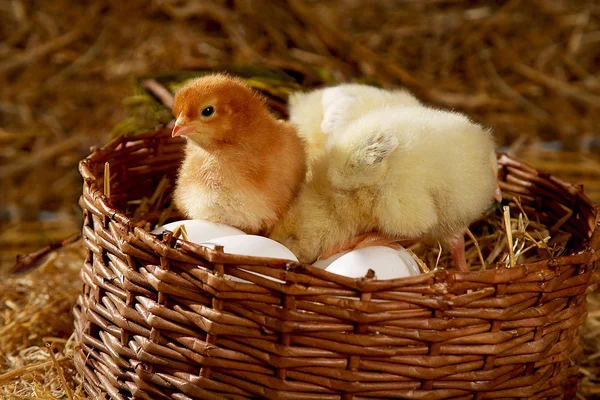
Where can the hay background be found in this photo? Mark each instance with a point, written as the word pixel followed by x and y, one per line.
pixel 529 69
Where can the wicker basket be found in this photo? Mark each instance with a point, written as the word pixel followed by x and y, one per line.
pixel 158 317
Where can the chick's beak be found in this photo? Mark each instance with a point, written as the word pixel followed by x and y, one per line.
pixel 176 130
pixel 181 128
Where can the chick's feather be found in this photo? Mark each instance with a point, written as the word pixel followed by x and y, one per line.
pixel 323 111
pixel 412 172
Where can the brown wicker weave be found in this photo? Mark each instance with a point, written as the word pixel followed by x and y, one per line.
pixel 159 319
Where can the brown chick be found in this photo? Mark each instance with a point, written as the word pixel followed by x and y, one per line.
pixel 243 167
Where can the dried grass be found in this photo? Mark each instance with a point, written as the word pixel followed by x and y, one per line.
pixel 526 68
pixel 504 237
pixel 35 310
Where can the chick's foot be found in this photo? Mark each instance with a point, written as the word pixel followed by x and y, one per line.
pixel 457 246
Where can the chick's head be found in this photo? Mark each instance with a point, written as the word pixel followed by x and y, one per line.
pixel 217 110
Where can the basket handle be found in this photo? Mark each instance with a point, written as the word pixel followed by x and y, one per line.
pixel 160 92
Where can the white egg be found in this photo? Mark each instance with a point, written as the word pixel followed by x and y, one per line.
pixel 253 245
pixel 199 231
pixel 323 264
pixel 256 246
pixel 387 263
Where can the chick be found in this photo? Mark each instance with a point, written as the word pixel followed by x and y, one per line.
pixel 242 166
pixel 410 172
pixel 313 115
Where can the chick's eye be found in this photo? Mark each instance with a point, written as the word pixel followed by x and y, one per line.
pixel 208 111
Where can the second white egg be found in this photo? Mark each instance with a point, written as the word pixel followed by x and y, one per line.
pixel 387 263
pixel 253 245
pixel 199 230
pixel 256 246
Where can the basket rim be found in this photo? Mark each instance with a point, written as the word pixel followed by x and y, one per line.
pixel 214 254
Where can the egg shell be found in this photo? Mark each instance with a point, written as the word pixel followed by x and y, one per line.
pixel 387 263
pixel 256 246
pixel 253 245
pixel 323 264
pixel 199 231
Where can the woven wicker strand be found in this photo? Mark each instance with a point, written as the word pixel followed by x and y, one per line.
pixel 159 318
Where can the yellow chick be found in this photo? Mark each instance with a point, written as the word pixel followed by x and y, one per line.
pixel 322 111
pixel 412 172
pixel 243 167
